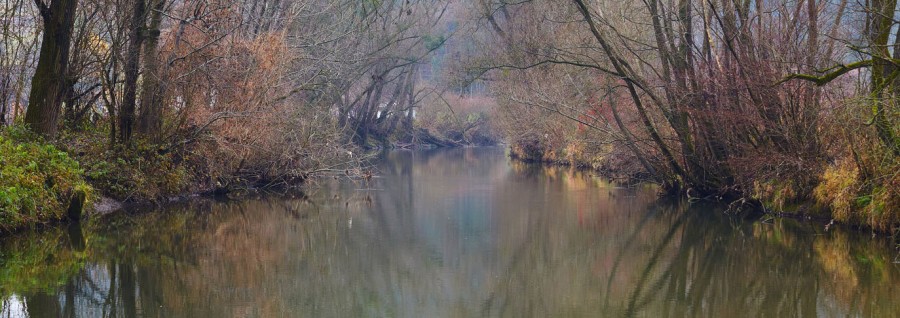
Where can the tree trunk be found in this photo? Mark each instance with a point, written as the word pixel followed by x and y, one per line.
pixel 4 99
pixel 150 120
pixel 407 99
pixel 881 13
pixel 47 85
pixel 622 68
pixel 132 67
pixel 369 110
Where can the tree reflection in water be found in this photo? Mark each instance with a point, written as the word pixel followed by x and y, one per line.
pixel 459 232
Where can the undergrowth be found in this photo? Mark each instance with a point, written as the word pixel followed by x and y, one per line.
pixel 869 198
pixel 37 180
pixel 140 172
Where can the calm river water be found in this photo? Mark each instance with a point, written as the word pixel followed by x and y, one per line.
pixel 448 233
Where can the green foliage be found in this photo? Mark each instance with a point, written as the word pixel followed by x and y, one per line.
pixel 433 42
pixel 136 175
pixel 142 172
pixel 37 180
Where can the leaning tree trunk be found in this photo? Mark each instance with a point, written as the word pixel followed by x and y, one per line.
pixel 623 69
pixel 47 85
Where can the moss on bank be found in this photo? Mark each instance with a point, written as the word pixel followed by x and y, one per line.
pixel 38 181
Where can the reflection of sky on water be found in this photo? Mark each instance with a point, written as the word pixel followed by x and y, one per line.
pixel 13 307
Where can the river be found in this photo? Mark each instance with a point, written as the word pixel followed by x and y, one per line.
pixel 448 233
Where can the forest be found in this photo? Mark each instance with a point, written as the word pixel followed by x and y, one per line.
pixel 784 106
pixel 775 106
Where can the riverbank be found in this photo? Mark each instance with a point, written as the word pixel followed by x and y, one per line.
pixel 50 177
pixel 151 174
pixel 449 215
pixel 835 199
pixel 43 182
pixel 39 182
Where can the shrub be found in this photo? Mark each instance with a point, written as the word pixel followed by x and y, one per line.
pixel 837 191
pixel 37 180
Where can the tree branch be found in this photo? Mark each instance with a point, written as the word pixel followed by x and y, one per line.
pixel 834 73
pixel 516 67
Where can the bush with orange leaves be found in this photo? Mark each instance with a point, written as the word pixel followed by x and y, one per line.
pixel 239 120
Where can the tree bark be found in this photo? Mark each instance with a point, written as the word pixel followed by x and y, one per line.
pixel 881 13
pixel 132 68
pixel 150 121
pixel 47 85
pixel 622 68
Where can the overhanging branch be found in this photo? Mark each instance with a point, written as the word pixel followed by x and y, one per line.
pixel 525 67
pixel 834 73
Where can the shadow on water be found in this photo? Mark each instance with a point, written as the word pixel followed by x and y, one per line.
pixel 460 232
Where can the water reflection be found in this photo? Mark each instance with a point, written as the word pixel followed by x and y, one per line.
pixel 448 233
